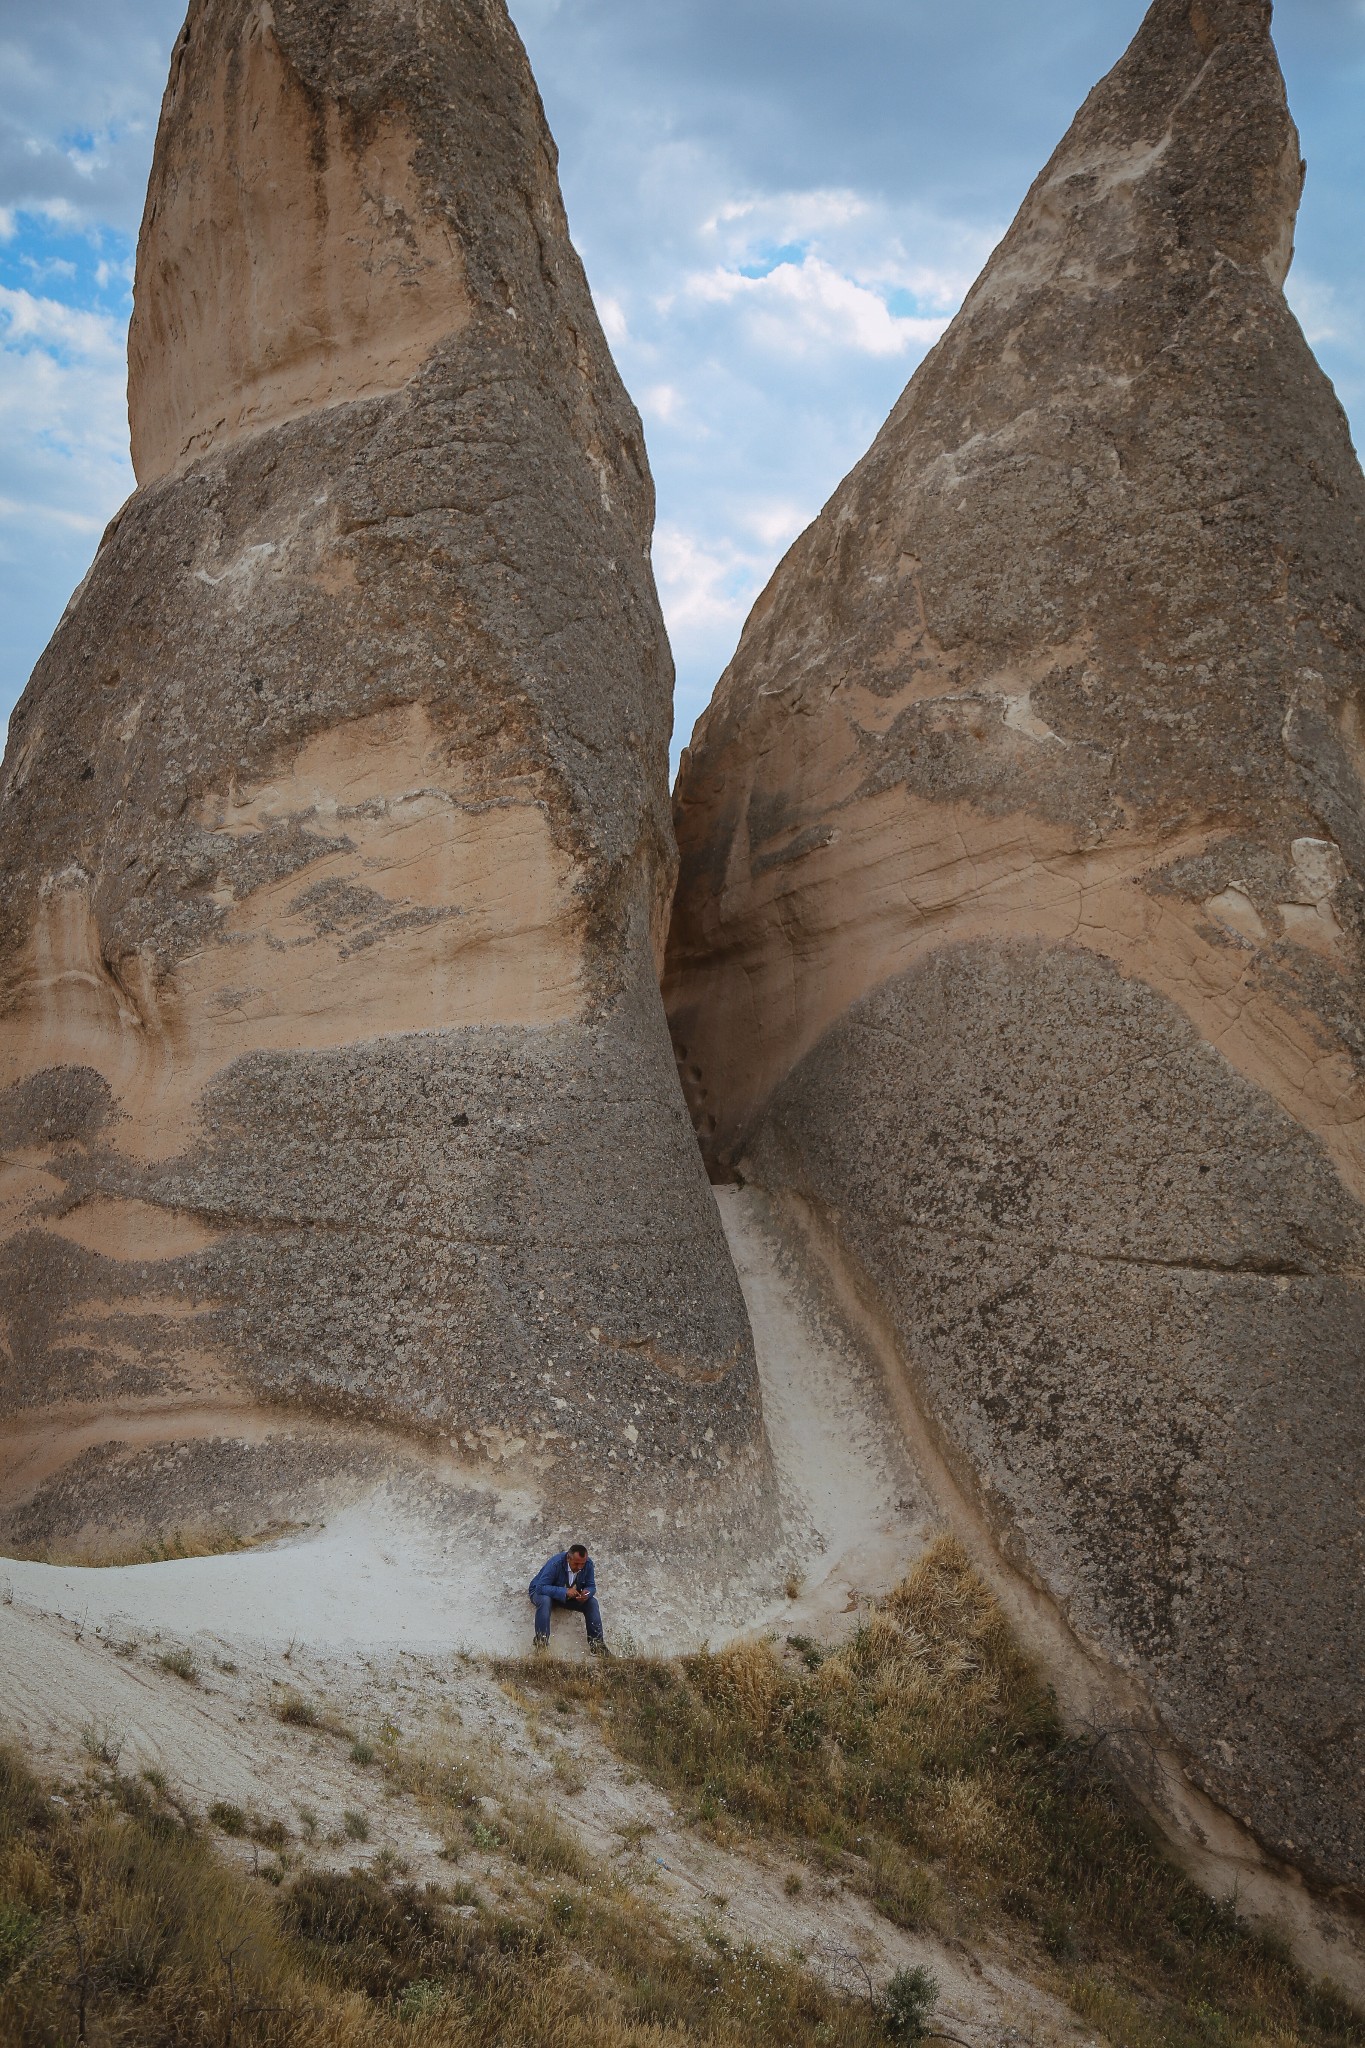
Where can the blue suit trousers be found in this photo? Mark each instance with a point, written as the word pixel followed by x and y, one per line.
pixel 557 1596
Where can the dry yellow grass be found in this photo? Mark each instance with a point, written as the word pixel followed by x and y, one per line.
pixel 120 1924
pixel 925 1762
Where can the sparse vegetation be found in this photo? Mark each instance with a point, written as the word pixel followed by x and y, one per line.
pixel 160 1549
pixel 908 2003
pixel 181 1664
pixel 118 1923
pixel 295 1710
pixel 924 1762
pixel 921 1763
pixel 102 1742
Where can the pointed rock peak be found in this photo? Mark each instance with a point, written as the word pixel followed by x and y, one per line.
pixel 334 833
pixel 1185 155
pixel 335 194
pixel 1027 824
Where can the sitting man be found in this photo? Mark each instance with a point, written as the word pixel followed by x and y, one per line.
pixel 568 1581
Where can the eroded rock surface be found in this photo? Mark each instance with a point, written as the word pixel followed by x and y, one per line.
pixel 1022 908
pixel 334 831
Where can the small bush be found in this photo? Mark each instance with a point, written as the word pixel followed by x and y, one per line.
pixel 295 1711
pixel 181 1664
pixel 356 1825
pixel 102 1742
pixel 423 1996
pixel 908 2003
pixel 19 1930
pixel 362 1753
pixel 229 1819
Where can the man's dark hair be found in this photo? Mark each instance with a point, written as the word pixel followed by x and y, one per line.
pixel 577 1550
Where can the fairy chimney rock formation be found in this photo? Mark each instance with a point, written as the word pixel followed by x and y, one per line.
pixel 338 1117
pixel 1019 932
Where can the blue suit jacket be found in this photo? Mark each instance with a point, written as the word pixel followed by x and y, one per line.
pixel 553 1576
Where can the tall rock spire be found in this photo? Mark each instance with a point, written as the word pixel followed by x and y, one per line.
pixel 335 1089
pixel 1020 927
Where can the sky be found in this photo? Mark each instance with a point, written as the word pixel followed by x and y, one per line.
pixel 780 204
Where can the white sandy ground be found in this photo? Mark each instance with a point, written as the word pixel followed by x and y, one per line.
pixel 376 1576
pixel 389 1630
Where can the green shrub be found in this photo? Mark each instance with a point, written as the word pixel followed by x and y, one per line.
pixel 908 2003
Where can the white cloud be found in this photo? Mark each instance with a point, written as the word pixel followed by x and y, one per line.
pixel 797 306
pixel 704 587
pixel 63 423
pixel 661 401
pixel 74 522
pixel 786 216
pixel 777 524
pixel 1315 304
pixel 107 274
pixel 612 315
pixel 24 318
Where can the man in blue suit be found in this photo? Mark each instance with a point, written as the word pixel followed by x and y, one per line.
pixel 568 1580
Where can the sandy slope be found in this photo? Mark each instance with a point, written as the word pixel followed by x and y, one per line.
pixel 385 1624
pixel 379 1575
pixel 70 1690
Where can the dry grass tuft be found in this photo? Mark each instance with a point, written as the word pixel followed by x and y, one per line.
pixel 296 1710
pixel 181 1663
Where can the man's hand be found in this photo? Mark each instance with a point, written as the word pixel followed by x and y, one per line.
pixel 576 1593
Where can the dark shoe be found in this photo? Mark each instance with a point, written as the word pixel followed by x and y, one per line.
pixel 541 1643
pixel 597 1648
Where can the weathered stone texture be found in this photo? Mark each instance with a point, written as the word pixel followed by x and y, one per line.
pixel 334 821
pixel 1129 1285
pixel 1021 916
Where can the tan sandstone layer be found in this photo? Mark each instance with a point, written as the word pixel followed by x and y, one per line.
pixel 336 1099
pixel 1019 934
